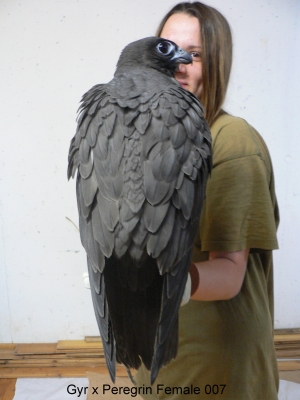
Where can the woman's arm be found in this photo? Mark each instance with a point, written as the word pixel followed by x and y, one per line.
pixel 219 278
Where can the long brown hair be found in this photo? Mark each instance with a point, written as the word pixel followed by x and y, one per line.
pixel 216 53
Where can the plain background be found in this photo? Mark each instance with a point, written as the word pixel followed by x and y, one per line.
pixel 52 51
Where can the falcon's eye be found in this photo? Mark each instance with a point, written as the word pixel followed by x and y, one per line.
pixel 165 48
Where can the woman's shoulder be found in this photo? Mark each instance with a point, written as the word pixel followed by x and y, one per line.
pixel 234 137
pixel 224 120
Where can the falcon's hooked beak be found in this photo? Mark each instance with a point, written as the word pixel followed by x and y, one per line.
pixel 182 57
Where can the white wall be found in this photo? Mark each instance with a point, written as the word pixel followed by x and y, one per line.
pixel 52 51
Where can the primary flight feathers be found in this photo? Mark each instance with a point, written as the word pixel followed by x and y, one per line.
pixel 142 152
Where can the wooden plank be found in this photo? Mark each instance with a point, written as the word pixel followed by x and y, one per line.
pixel 12 356
pixel 7 388
pixel 98 352
pixel 288 353
pixel 35 348
pixel 7 346
pixel 57 372
pixel 290 337
pixel 43 372
pixel 288 365
pixel 56 362
pixel 10 391
pixel 7 354
pixel 84 354
pixel 92 338
pixel 77 345
pixel 286 331
pixel 3 386
pixel 35 356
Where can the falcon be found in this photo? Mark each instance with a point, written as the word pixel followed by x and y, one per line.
pixel 142 154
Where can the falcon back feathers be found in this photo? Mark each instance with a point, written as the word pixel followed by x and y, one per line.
pixel 142 153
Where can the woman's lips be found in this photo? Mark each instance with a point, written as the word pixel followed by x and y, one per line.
pixel 183 84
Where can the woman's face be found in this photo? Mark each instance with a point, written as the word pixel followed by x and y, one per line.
pixel 184 30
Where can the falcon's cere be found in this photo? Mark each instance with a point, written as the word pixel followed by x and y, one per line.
pixel 142 153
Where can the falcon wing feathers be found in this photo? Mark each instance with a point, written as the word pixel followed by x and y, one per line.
pixel 142 159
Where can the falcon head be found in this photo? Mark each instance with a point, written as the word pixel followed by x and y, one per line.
pixel 154 52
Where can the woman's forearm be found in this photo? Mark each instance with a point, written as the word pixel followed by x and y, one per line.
pixel 219 278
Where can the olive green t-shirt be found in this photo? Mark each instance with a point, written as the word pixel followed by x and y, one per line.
pixel 226 348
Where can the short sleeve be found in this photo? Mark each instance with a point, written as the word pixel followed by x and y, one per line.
pixel 238 212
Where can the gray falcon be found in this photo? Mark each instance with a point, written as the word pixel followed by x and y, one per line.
pixel 142 153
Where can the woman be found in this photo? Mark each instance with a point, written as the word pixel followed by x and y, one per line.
pixel 226 331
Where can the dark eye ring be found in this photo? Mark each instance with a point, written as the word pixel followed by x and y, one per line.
pixel 165 48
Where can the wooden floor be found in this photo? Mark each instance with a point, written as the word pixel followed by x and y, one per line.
pixel 7 385
pixel 7 388
pixel 74 358
pixel 41 360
